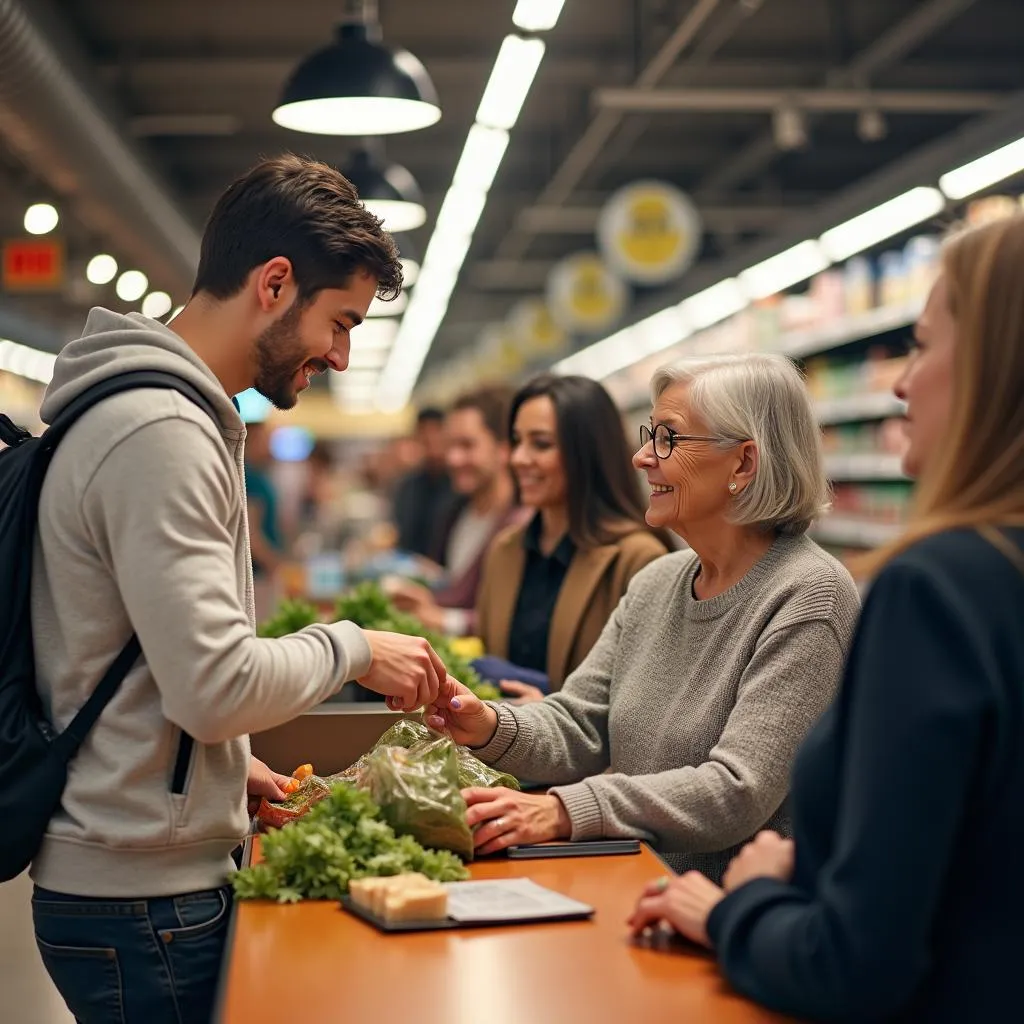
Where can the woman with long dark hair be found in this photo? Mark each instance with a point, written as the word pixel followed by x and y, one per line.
pixel 549 587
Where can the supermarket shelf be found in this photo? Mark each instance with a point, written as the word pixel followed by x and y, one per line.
pixel 869 405
pixel 861 533
pixel 848 329
pixel 864 466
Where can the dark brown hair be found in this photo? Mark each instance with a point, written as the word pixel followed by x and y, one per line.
pixel 303 210
pixel 602 489
pixel 493 404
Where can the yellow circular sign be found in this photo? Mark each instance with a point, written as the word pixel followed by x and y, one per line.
pixel 649 232
pixel 584 295
pixel 533 330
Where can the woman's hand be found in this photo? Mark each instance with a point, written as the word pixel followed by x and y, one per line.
pixel 507 818
pixel 685 903
pixel 460 713
pixel 415 599
pixel 768 856
pixel 522 692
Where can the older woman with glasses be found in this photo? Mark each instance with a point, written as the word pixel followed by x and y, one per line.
pixel 680 726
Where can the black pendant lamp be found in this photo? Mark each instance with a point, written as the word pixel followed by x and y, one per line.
pixel 388 191
pixel 357 86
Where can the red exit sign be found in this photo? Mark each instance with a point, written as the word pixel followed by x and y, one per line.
pixel 32 265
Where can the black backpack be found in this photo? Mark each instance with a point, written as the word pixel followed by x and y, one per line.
pixel 34 759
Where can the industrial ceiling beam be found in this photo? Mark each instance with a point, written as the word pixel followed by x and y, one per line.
pixel 820 101
pixel 889 49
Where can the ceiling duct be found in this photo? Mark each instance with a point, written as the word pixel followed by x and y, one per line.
pixel 54 117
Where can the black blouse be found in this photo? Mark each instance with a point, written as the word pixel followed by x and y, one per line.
pixel 543 576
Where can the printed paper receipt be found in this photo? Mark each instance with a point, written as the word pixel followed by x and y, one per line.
pixel 514 899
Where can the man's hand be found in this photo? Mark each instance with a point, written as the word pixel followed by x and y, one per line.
pixel 405 669
pixel 264 782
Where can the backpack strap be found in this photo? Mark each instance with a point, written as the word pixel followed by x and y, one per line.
pixel 73 736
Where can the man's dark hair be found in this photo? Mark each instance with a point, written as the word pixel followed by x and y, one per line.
pixel 303 210
pixel 493 403
pixel 431 414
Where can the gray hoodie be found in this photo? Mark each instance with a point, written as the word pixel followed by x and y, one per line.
pixel 142 526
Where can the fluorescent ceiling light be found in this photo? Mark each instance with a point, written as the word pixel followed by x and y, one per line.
pixel 156 305
pixel 101 269
pixel 132 285
pixel 460 213
pixel 719 302
pixel 41 219
pixel 27 362
pixel 396 307
pixel 375 334
pixel 537 15
pixel 397 214
pixel 367 359
pixel 510 81
pixel 877 225
pixel 481 158
pixel 780 272
pixel 986 171
pixel 410 271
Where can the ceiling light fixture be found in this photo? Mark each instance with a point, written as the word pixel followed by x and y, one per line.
pixel 357 86
pixel 156 305
pixel 789 268
pixel 131 285
pixel 481 158
pixel 714 304
pixel 390 193
pixel 101 269
pixel 510 81
pixel 30 363
pixel 41 219
pixel 396 307
pixel 537 15
pixel 897 215
pixel 984 172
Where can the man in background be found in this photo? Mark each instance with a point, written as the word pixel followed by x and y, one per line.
pixel 423 497
pixel 477 456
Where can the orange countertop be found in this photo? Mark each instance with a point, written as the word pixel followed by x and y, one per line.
pixel 313 963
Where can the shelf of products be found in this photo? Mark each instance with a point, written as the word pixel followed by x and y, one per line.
pixel 867 405
pixel 864 466
pixel 849 329
pixel 847 531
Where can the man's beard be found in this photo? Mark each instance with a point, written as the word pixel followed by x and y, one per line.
pixel 280 354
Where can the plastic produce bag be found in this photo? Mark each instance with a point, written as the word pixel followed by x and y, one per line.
pixel 275 815
pixel 418 792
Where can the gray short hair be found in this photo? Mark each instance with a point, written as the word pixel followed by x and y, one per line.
pixel 761 398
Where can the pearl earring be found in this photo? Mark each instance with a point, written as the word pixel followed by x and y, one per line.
pixel 732 487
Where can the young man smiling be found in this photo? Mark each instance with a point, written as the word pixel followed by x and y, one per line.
pixel 143 529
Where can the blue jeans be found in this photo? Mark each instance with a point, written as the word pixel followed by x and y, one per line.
pixel 142 961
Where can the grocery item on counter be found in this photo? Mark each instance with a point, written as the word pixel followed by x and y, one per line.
pixel 407 897
pixel 341 839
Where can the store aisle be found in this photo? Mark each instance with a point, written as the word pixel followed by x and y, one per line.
pixel 28 995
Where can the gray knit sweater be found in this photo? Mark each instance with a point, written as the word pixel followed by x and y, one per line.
pixel 692 710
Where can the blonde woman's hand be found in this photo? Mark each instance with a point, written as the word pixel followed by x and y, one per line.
pixel 767 856
pixel 685 903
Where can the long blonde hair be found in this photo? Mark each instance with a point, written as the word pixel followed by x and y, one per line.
pixel 976 480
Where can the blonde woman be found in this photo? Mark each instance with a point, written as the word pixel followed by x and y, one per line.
pixel 900 901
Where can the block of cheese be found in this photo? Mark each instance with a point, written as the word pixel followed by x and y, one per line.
pixel 408 897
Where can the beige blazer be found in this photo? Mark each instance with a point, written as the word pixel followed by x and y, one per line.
pixel 594 585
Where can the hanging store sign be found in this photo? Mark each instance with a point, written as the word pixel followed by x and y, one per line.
pixel 32 265
pixel 533 330
pixel 584 296
pixel 649 232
